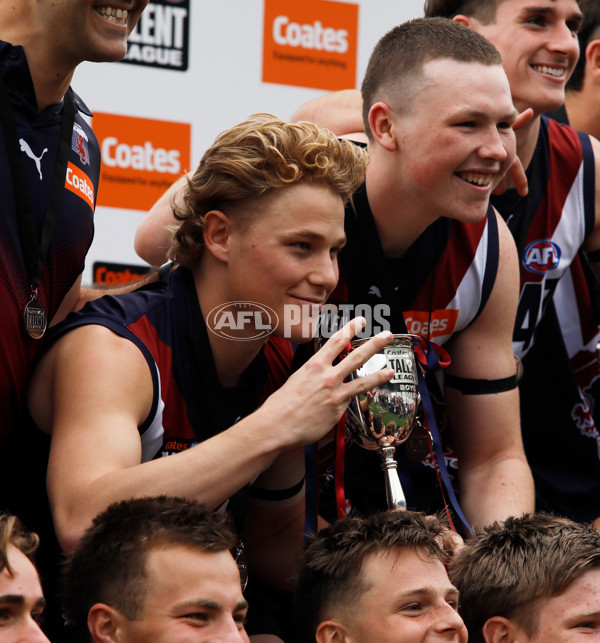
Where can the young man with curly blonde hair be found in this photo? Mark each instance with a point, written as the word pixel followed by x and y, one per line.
pixel 137 377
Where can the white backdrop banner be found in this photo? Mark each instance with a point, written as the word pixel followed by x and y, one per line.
pixel 195 68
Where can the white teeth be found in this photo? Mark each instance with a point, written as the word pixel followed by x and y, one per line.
pixel 477 179
pixel 553 71
pixel 118 16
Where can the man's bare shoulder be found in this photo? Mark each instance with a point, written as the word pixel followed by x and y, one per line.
pixel 89 361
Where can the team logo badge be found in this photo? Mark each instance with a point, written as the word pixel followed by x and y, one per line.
pixel 79 144
pixel 541 255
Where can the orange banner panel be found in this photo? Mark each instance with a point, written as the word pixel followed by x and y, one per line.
pixel 310 43
pixel 141 158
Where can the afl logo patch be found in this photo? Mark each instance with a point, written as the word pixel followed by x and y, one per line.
pixel 541 255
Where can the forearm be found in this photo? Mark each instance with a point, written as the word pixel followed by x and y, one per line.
pixel 339 111
pixel 96 451
pixel 494 477
pixel 153 235
pixel 497 489
pixel 210 472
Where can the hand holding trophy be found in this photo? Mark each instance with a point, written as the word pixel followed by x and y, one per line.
pixel 383 418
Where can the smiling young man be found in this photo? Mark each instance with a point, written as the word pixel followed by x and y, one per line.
pixel 422 240
pixel 46 145
pixel 532 579
pixel 561 215
pixel 155 570
pixel 42 43
pixel 377 580
pixel 137 377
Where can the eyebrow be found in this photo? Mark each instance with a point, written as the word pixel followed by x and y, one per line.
pixel 212 605
pixel 423 591
pixel 586 614
pixel 476 113
pixel 19 599
pixel 576 15
pixel 307 234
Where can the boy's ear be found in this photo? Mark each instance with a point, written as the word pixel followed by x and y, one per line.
pixel 103 623
pixel 217 232
pixel 499 630
pixel 380 122
pixel 592 60
pixel 330 631
pixel 464 20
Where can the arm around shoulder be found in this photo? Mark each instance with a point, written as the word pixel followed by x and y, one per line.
pixel 340 111
pixel 152 237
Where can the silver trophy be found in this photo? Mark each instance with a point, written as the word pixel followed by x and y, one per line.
pixel 383 418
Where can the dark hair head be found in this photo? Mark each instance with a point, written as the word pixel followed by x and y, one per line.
pixel 109 564
pixel 399 57
pixel 511 566
pixel 589 30
pixel 13 533
pixel 330 570
pixel 483 10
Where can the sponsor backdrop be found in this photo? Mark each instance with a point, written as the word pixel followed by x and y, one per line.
pixel 195 68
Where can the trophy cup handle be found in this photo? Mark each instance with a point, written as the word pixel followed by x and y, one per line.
pixel 393 488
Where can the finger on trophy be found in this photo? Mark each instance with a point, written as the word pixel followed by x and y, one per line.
pixel 358 356
pixel 336 344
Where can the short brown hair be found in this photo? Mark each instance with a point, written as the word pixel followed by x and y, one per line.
pixel 12 532
pixel 483 10
pixel 330 569
pixel 109 564
pixel 398 59
pixel 253 158
pixel 509 567
pixel 589 30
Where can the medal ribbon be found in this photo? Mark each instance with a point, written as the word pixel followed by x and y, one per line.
pixel 35 250
pixel 433 358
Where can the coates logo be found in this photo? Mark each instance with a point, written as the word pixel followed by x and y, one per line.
pixel 436 323
pixel 242 321
pixel 78 182
pixel 541 255
pixel 112 274
pixel 141 158
pixel 310 43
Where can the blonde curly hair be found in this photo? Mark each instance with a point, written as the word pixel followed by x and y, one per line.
pixel 257 156
pixel 12 532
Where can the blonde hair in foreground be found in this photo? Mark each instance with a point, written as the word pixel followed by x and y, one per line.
pixel 253 158
pixel 13 533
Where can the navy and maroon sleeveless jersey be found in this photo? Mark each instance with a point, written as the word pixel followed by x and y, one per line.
pixel 164 321
pixel 39 136
pixel 435 290
pixel 562 193
pixel 556 331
